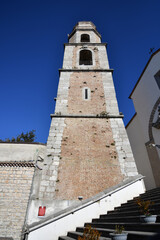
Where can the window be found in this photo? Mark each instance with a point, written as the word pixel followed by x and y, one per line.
pixel 86 93
pixel 85 57
pixel 85 38
pixel 157 77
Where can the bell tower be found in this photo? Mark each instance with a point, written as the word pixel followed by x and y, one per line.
pixel 87 149
pixel 87 120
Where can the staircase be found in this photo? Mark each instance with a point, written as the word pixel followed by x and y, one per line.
pixel 128 216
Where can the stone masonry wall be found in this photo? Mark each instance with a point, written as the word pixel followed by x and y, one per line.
pixel 14 195
pixel 88 160
pixel 125 155
pixel 96 103
pixel 50 168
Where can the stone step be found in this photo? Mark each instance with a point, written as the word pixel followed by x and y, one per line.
pixel 129 213
pixel 133 219
pixel 149 227
pixel 152 191
pixel 75 235
pixel 65 238
pixel 133 203
pixel 156 206
pixel 149 196
pixel 132 235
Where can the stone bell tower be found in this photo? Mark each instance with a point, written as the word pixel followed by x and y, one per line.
pixel 88 148
pixel 87 137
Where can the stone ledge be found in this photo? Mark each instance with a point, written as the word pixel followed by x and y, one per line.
pixel 86 70
pixel 86 116
pixel 85 43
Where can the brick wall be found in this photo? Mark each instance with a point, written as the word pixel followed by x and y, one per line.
pixel 89 161
pixel 14 194
pixel 96 103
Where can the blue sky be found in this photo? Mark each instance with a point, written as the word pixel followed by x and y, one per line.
pixel 31 52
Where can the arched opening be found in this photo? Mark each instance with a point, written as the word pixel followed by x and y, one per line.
pixel 85 38
pixel 85 57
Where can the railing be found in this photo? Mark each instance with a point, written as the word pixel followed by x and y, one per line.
pixel 59 224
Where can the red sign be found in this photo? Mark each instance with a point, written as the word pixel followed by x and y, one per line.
pixel 41 211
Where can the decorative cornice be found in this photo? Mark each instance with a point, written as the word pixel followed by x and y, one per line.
pixel 85 70
pixel 58 115
pixel 84 29
pixel 85 43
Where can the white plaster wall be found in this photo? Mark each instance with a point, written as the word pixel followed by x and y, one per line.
pixel 52 207
pixel 61 226
pixel 134 131
pixel 21 151
pixel 146 94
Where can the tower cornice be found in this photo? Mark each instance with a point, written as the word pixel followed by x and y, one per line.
pixel 84 29
pixel 86 116
pixel 85 43
pixel 86 70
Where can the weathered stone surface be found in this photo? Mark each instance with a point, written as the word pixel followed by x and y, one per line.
pixel 14 195
pixel 89 162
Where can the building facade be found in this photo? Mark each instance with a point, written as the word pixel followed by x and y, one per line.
pixel 143 129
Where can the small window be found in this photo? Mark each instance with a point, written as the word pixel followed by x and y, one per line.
pixel 85 38
pixel 157 77
pixel 85 57
pixel 86 93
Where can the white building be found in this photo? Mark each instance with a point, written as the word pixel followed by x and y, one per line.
pixel 144 127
